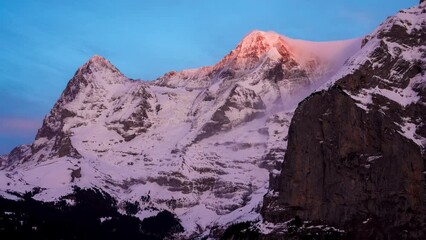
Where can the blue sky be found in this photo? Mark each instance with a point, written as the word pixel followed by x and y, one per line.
pixel 42 43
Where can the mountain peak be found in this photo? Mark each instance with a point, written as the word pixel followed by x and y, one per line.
pixel 99 69
pixel 99 62
pixel 97 72
pixel 257 36
pixel 255 46
pixel 97 58
pixel 258 42
pixel 254 35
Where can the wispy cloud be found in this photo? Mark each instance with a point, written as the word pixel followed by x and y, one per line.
pixel 19 126
pixel 15 131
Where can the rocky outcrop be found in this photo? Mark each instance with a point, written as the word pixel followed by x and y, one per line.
pixel 343 163
pixel 241 106
pixel 3 160
pixel 18 155
pixel 94 93
pixel 138 121
pixel 90 80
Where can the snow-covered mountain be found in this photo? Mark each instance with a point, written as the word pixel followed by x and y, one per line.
pixel 204 143
pixel 200 143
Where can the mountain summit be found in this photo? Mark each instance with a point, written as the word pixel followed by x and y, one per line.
pixel 100 70
pixel 255 47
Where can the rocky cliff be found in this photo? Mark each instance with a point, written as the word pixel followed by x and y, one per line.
pixel 355 158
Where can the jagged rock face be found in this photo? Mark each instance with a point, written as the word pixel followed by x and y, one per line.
pixel 138 121
pixel 356 150
pixel 18 155
pixel 95 86
pixel 241 106
pixel 392 80
pixel 3 160
pixel 355 165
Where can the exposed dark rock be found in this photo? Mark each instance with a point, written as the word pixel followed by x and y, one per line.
pixel 3 160
pixel 286 69
pixel 227 74
pixel 138 122
pixel 56 116
pixel 239 98
pixel 272 159
pixel 275 74
pixel 208 96
pixel 64 148
pixel 17 155
pixel 157 108
pixel 75 173
pixel 353 164
pixel 399 34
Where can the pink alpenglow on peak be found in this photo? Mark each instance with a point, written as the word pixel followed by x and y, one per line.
pixel 254 47
pixel 99 62
pixel 99 69
pixel 269 51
